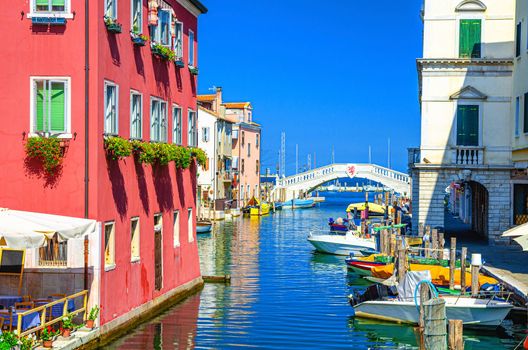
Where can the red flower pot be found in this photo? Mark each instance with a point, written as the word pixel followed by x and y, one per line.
pixel 90 324
pixel 47 344
pixel 66 333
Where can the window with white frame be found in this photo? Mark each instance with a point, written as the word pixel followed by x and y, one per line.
pixel 176 228
pixel 192 132
pixel 158 120
pixel 191 48
pixel 190 229
pixel 136 115
pixel 48 6
pixel 111 102
pixel 161 33
pixel 249 149
pixel 178 39
pixel 51 99
pixel 110 8
pixel 109 231
pixel 205 134
pixel 134 239
pixel 136 22
pixel 176 125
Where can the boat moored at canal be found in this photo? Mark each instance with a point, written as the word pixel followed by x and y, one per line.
pixel 350 243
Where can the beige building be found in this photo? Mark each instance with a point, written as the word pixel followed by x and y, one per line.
pixel 466 82
pixel 246 150
pixel 216 182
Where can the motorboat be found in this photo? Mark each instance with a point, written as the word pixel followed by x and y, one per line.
pixel 339 225
pixel 399 304
pixel 349 243
pixel 373 208
pixel 298 204
pixel 203 226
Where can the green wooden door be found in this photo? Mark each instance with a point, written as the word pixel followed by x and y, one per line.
pixel 470 38
pixel 468 125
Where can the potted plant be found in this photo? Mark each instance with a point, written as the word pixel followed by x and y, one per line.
pixel 163 52
pixel 47 336
pixel 47 150
pixel 92 316
pixel 117 147
pixel 8 340
pixel 67 326
pixel 111 25
pixel 193 70
pixel 137 38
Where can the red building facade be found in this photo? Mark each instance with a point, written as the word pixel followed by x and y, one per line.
pixel 68 73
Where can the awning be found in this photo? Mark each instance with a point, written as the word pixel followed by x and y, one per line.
pixel 516 231
pixel 25 230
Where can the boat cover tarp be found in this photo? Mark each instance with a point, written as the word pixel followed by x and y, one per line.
pixel 25 230
pixel 407 288
pixel 373 207
pixel 439 274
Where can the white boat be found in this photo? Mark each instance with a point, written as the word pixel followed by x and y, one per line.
pixel 376 304
pixel 472 312
pixel 350 243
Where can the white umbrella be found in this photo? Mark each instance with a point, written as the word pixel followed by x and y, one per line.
pixel 516 231
pixel 523 242
pixel 24 230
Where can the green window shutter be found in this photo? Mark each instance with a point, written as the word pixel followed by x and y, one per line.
pixel 42 2
pixel 57 102
pixel 525 127
pixel 58 2
pixel 467 125
pixel 470 38
pixel 39 110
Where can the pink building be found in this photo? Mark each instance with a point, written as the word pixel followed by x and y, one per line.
pixel 77 70
pixel 246 150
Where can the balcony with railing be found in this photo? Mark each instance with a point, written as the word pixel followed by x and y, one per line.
pixel 467 155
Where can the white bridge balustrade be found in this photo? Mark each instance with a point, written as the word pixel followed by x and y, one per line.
pixel 290 187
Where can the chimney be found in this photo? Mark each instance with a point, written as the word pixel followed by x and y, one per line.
pixel 218 99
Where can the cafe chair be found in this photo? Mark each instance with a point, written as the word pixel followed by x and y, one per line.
pixel 26 297
pixel 2 322
pixel 57 296
pixel 25 305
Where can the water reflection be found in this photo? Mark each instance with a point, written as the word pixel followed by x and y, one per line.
pixel 282 295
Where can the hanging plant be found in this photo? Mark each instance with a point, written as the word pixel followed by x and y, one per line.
pixel 163 52
pixel 117 147
pixel 144 152
pixel 48 150
pixel 183 157
pixel 200 156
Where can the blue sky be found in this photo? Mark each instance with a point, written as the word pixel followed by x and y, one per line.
pixel 335 72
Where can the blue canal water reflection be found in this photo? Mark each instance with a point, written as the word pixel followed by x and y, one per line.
pixel 282 295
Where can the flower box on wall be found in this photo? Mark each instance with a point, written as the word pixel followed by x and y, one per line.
pixel 112 26
pixel 193 70
pixel 139 39
pixel 179 63
pixel 162 52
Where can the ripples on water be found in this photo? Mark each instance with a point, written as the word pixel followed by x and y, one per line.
pixel 282 294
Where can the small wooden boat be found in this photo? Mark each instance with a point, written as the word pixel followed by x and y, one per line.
pixel 278 205
pixel 349 243
pixel 339 225
pixel 298 204
pixel 378 302
pixel 256 208
pixel 374 209
pixel 203 226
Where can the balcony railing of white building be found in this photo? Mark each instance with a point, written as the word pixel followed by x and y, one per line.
pixel 468 155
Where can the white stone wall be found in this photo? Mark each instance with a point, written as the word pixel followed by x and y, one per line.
pixel 429 191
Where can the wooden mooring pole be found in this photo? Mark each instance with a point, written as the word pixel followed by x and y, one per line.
pixel 435 324
pixel 455 338
pixel 452 263
pixel 463 270
pixel 474 280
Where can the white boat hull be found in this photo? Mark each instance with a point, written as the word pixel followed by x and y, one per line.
pixel 472 312
pixel 341 244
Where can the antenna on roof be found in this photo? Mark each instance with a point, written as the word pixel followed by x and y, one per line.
pixel 212 88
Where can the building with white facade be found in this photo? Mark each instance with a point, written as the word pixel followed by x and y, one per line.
pixel 466 83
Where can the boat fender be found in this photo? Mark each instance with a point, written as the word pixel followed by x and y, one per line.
pixel 525 344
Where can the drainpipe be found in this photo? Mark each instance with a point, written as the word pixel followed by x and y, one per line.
pixel 86 130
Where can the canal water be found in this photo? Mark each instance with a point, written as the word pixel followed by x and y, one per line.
pixel 282 295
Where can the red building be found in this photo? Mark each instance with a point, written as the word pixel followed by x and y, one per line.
pixel 76 70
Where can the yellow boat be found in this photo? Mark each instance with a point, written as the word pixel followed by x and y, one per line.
pixel 374 209
pixel 439 274
pixel 256 208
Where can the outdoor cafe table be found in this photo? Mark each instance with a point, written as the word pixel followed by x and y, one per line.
pixel 9 300
pixel 29 321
